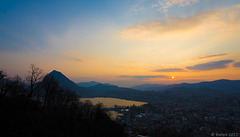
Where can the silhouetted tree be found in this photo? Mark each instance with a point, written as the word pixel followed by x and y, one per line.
pixel 17 86
pixel 54 95
pixel 3 82
pixel 35 75
pixel 50 88
pixel 62 115
pixel 68 96
pixel 3 74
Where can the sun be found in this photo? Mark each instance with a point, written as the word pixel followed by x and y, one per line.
pixel 172 77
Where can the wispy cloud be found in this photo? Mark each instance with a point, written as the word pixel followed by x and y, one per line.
pixel 164 5
pixel 160 5
pixel 154 5
pixel 237 6
pixel 222 18
pixel 171 70
pixel 237 64
pixel 73 58
pixel 211 65
pixel 144 76
pixel 211 56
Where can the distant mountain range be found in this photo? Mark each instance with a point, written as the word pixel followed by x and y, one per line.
pixel 88 84
pixel 221 85
pixel 94 89
pixel 147 92
pixel 91 83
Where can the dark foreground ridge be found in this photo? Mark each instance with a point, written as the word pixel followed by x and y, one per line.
pixel 27 118
pixel 44 109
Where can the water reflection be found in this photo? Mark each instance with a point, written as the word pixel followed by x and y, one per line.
pixel 110 102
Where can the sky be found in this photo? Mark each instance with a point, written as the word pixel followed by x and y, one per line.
pixel 122 42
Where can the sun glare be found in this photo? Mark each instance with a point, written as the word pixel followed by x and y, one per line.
pixel 172 77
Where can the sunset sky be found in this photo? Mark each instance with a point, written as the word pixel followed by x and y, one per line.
pixel 123 42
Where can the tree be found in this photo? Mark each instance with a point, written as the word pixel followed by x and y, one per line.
pixel 17 86
pixel 55 95
pixel 3 82
pixel 51 88
pixel 35 75
pixel 2 74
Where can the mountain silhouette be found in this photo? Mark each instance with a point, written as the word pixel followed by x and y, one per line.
pixel 221 85
pixel 107 90
pixel 92 83
pixel 66 83
pixel 88 84
pixel 149 87
pixel 103 88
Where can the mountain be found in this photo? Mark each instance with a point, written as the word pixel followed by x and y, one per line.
pixel 154 87
pixel 221 85
pixel 148 87
pixel 92 83
pixel 108 84
pixel 66 83
pixel 202 89
pixel 88 84
pixel 102 88
pixel 108 90
pixel 99 90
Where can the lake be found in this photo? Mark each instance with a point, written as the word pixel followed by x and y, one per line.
pixel 110 102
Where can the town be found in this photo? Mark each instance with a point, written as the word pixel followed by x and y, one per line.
pixel 200 117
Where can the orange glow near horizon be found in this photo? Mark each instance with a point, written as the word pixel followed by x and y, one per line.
pixel 127 47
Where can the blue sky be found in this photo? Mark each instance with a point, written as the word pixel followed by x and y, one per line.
pixel 106 40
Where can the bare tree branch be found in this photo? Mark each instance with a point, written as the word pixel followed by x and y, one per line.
pixel 35 75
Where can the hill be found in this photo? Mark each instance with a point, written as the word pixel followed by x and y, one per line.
pixel 88 84
pixel 66 83
pixel 222 85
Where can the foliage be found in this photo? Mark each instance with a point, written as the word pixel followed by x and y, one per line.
pixel 23 117
pixel 50 112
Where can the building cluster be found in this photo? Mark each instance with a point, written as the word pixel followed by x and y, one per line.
pixel 204 118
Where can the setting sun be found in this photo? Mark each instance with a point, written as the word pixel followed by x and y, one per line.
pixel 131 46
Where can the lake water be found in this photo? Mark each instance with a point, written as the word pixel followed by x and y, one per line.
pixel 110 102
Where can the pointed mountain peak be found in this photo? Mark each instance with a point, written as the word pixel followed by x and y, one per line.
pixel 55 72
pixel 58 75
pixel 66 83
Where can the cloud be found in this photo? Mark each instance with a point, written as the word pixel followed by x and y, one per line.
pixel 212 56
pixel 154 5
pixel 160 5
pixel 166 4
pixel 237 6
pixel 171 70
pixel 144 77
pixel 237 64
pixel 211 65
pixel 219 18
pixel 161 27
pixel 73 59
